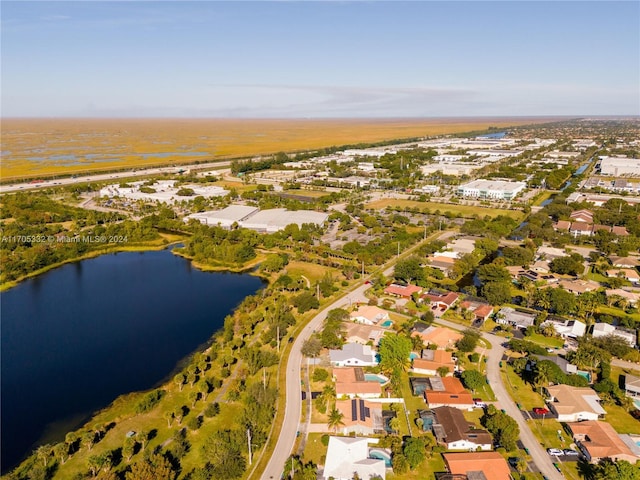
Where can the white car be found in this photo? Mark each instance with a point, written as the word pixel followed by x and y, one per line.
pixel 555 452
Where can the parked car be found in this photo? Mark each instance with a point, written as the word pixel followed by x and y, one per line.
pixel 540 411
pixel 571 453
pixel 555 452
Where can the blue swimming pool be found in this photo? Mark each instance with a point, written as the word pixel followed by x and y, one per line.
pixel 386 323
pixel 375 377
pixel 636 402
pixel 380 454
pixel 413 355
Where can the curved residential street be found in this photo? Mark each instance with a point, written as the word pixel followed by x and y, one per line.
pixel 293 408
pixel 538 453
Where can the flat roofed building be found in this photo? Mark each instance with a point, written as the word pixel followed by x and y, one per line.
pixel 620 166
pixel 224 218
pixel 277 219
pixel 491 189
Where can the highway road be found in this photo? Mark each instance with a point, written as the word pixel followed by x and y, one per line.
pixel 104 177
pixel 538 453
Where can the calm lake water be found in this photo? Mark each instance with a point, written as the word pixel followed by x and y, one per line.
pixel 75 338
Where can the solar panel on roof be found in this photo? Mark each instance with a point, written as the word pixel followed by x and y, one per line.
pixel 354 410
pixel 362 417
pixel 367 412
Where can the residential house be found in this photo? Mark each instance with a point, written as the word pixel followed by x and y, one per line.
pixel 562 225
pixel 598 440
pixel 347 456
pixel 626 273
pixel 632 385
pixel 351 382
pixel 620 231
pixel 624 262
pixel 581 228
pixel 369 315
pixel 515 318
pixel 439 302
pixel 578 287
pixel 630 297
pixel 604 329
pixel 481 311
pixel 448 392
pixel 477 465
pixel 360 416
pixel 402 291
pixel 584 216
pixel 353 355
pixel 360 333
pixel 444 264
pixel 568 328
pixel 452 429
pixel 442 337
pixel 574 404
pixel 431 360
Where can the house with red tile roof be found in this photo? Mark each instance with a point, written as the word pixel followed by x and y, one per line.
pixel 431 360
pixel 598 440
pixel 402 291
pixel 492 465
pixel 439 302
pixel 448 392
pixel 351 382
pixel 369 315
pixel 442 337
pixel 361 416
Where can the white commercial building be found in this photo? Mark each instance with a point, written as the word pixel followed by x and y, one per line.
pixel 620 166
pixel 491 189
pixel 272 220
pixel 162 191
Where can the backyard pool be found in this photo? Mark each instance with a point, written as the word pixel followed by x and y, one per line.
pixel 380 454
pixel 386 323
pixel 376 377
pixel 413 355
pixel 636 402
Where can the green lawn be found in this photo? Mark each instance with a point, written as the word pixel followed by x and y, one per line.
pixel 520 391
pixel 616 312
pixel 545 341
pixel 426 471
pixel 621 420
pixel 314 450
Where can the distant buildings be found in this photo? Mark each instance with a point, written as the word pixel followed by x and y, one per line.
pixel 161 191
pixel 491 189
pixel 619 166
pixel 269 221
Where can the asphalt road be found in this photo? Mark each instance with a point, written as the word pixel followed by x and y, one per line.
pixel 293 408
pixel 538 453
pixel 102 177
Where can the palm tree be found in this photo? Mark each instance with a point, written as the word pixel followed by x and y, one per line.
pixel 335 419
pixel 327 397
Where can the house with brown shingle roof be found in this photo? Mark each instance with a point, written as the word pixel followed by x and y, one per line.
pixel 452 429
pixel 351 382
pixel 439 302
pixel 478 465
pixel 361 333
pixel 626 273
pixel 598 440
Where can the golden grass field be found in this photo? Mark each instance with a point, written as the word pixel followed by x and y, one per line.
pixel 464 210
pixel 39 147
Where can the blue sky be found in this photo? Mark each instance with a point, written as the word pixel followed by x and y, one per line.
pixel 320 59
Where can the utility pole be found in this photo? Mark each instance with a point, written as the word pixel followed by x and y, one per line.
pixel 249 443
pixel 278 336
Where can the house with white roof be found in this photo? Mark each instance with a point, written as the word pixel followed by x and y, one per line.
pixel 369 315
pixel 605 329
pixel 347 456
pixel 353 355
pixel 568 328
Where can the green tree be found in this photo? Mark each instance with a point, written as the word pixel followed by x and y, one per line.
pixel 469 341
pixel 497 293
pixel 129 448
pixel 335 419
pixel 394 351
pixel 442 371
pixel 473 379
pixel 414 452
pixel 152 467
pixel 493 272
pixel 409 270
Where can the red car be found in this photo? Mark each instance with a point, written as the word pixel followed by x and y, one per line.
pixel 540 411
